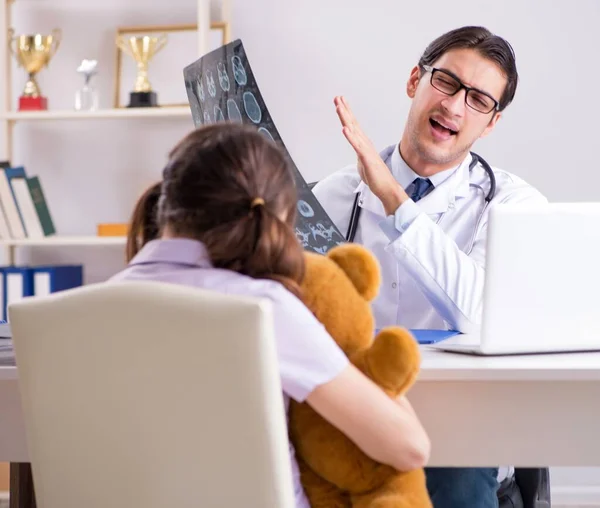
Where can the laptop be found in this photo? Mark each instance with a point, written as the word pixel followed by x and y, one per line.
pixel 542 282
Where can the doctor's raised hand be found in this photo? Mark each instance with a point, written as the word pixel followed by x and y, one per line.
pixel 371 167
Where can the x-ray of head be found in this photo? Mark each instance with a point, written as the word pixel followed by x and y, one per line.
pixel 235 96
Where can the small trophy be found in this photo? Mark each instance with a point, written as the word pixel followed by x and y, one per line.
pixel 33 52
pixel 142 49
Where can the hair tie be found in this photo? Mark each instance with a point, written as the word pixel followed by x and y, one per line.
pixel 257 202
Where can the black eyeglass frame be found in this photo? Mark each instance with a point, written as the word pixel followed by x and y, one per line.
pixel 461 85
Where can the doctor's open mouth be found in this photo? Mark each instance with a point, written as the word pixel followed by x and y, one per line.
pixel 443 127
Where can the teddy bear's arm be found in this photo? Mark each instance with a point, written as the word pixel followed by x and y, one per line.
pixel 392 361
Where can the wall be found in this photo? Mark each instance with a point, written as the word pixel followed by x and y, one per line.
pixel 305 53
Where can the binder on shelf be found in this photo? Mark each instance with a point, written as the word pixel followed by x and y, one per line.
pixel 9 202
pixel 41 205
pixel 4 229
pixel 32 207
pixel 51 279
pixel 17 284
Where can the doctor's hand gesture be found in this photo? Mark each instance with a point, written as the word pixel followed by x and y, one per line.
pixel 371 167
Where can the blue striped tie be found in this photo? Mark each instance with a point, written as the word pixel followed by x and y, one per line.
pixel 420 188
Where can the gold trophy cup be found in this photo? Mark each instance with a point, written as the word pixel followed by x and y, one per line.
pixel 142 49
pixel 33 52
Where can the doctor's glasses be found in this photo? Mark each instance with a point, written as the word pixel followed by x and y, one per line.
pixel 449 84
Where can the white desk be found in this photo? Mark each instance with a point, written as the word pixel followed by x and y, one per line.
pixel 527 410
pixel 534 410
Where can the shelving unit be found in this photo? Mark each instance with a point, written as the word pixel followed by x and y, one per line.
pixel 65 240
pixel 174 112
pixel 10 246
pixel 10 118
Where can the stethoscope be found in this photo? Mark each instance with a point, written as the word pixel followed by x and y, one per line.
pixel 476 159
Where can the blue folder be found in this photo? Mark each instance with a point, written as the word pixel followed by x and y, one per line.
pixel 426 336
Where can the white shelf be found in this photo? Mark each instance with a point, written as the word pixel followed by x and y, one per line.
pixel 157 112
pixel 65 240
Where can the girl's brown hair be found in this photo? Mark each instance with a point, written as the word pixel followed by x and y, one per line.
pixel 143 225
pixel 231 188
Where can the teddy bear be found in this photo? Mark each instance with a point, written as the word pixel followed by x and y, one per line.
pixel 338 288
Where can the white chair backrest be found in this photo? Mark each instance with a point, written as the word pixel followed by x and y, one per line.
pixel 145 394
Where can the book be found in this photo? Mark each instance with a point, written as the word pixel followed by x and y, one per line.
pixel 9 203
pixel 32 207
pixel 41 205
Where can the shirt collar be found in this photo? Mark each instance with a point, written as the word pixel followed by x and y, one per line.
pixel 179 251
pixel 405 176
pixel 448 184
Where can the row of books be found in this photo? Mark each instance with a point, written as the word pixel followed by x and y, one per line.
pixel 18 282
pixel 24 211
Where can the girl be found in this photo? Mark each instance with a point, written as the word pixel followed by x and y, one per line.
pixel 225 217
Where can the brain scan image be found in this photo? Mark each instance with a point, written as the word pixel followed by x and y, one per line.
pixel 221 87
pixel 200 90
pixel 322 231
pixel 305 209
pixel 223 77
pixel 239 73
pixel 252 108
pixel 219 117
pixel 233 112
pixel 266 133
pixel 210 82
pixel 302 237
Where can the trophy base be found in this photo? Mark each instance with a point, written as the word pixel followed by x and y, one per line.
pixel 142 100
pixel 33 103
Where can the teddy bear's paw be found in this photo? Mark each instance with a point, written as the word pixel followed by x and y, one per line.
pixel 394 359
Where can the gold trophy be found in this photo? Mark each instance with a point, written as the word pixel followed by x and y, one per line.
pixel 141 48
pixel 33 52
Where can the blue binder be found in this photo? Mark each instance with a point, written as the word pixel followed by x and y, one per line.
pixel 17 283
pixel 51 279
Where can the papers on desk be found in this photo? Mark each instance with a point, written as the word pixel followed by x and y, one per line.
pixel 7 355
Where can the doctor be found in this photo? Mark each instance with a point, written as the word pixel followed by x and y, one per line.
pixel 423 207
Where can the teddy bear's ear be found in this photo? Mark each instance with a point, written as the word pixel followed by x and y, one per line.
pixel 360 266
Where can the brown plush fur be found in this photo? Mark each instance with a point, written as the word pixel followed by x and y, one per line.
pixel 338 288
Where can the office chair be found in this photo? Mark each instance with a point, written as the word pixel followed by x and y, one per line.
pixel 533 483
pixel 149 394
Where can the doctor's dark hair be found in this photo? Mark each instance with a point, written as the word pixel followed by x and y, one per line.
pixel 231 188
pixel 489 45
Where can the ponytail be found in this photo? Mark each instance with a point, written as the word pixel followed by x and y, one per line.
pixel 143 225
pixel 259 245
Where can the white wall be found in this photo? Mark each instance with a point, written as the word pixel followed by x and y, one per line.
pixel 305 53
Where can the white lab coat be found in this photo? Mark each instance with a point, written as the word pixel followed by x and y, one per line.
pixel 428 280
